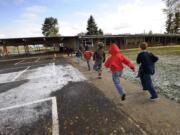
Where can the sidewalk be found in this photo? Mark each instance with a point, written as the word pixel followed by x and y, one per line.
pixel 156 118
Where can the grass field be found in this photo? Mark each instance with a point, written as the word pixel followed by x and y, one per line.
pixel 167 77
pixel 160 50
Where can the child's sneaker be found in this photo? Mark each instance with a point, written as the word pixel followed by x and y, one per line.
pixel 154 99
pixel 99 77
pixel 123 97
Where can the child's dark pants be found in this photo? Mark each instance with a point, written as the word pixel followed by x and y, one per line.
pixel 148 85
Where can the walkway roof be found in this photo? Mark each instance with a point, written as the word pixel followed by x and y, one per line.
pixel 50 40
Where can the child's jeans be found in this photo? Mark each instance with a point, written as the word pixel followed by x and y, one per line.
pixel 148 85
pixel 116 79
pixel 78 59
pixel 98 67
pixel 88 63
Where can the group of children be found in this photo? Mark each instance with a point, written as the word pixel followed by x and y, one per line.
pixel 116 61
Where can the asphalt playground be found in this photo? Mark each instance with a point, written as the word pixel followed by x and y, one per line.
pixel 46 95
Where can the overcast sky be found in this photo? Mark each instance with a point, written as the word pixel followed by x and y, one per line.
pixel 24 18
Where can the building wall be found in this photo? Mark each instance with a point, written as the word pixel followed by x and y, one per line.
pixel 70 43
pixel 133 41
pixel 123 41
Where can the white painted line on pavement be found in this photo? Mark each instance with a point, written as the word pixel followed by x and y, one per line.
pixel 26 63
pixel 37 77
pixel 7 60
pixel 123 130
pixel 18 62
pixel 55 120
pixel 133 122
pixel 142 130
pixel 37 60
pixel 54 69
pixel 22 67
pixel 12 68
pixel 26 104
pixel 43 64
pixel 21 73
pixel 25 58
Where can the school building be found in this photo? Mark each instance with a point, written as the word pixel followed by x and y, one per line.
pixel 32 45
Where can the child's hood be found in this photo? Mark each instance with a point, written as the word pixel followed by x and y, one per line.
pixel 114 49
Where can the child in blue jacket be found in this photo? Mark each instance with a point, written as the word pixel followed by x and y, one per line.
pixel 78 56
pixel 147 68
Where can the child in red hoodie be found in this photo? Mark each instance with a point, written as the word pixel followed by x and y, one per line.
pixel 87 56
pixel 115 63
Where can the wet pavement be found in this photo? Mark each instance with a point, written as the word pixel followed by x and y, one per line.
pixel 153 117
pixel 84 110
pixel 27 120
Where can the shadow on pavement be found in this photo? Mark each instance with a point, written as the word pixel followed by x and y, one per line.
pixel 84 110
pixel 4 87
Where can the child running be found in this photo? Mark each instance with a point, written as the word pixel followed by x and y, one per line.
pixel 115 63
pixel 78 56
pixel 147 68
pixel 99 57
pixel 87 56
